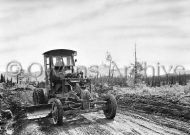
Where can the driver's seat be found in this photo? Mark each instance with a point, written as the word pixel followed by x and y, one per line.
pixel 58 67
pixel 59 64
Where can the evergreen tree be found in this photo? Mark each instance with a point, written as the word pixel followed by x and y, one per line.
pixel 11 80
pixel 1 79
pixel 4 79
pixel 137 70
pixel 7 80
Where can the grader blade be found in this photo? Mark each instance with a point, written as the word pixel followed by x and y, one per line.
pixel 37 112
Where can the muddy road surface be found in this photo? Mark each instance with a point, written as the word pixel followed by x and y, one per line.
pixel 125 123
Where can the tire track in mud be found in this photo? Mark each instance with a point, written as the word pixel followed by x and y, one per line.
pixel 183 126
pixel 137 126
pixel 125 123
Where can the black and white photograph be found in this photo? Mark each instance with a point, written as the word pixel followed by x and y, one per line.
pixel 94 67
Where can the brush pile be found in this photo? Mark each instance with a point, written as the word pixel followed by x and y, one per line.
pixel 165 100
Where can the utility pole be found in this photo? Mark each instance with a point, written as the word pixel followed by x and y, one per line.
pixel 135 77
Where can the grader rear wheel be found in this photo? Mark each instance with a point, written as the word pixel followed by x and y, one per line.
pixel 39 97
pixel 57 111
pixel 86 96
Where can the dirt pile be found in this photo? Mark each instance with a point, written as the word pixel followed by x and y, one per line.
pixel 176 93
pixel 165 100
pixel 13 99
pixel 155 104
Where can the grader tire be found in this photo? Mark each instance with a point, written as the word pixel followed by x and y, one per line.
pixel 111 107
pixel 86 96
pixel 57 111
pixel 39 97
pixel 35 97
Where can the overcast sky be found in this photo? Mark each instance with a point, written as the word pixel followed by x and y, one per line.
pixel 160 28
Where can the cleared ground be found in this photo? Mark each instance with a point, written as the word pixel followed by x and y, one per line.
pixel 138 114
pixel 125 123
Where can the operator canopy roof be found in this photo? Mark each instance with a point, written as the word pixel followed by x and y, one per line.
pixel 60 52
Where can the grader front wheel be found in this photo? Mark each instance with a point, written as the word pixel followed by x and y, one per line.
pixel 57 111
pixel 111 107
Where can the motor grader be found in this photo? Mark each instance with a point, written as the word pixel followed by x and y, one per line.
pixel 68 91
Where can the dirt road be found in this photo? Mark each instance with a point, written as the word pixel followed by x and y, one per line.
pixel 125 123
